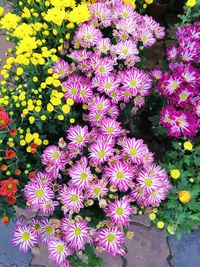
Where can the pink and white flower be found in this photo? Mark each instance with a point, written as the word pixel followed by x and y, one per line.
pixel 120 212
pixel 78 235
pixel 78 135
pixel 111 240
pixel 24 237
pixel 110 127
pixel 72 199
pixel 62 68
pixel 135 149
pixel 120 174
pixel 37 193
pixel 58 251
pixel 81 174
pixel 101 150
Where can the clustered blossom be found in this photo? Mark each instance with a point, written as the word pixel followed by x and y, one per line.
pixel 181 84
pixel 112 171
pixel 98 168
pixel 8 189
pixel 107 65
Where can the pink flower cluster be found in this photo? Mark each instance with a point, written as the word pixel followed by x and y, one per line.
pixel 104 53
pixel 181 84
pixel 98 169
pixel 96 178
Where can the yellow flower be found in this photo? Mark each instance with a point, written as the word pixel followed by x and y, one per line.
pixel 79 14
pixel 160 224
pixel 45 142
pixel 149 2
pixel 171 229
pixel 72 120
pixel 191 3
pixel 50 107
pixel 175 173
pixel 66 109
pixel 61 117
pixel 1 11
pixel 10 21
pixel 43 117
pixel 19 71
pixel 38 141
pixel 28 137
pixel 70 102
pixel 129 235
pixel 22 142
pixel 130 2
pixel 184 196
pixel 152 216
pixel 188 145
pixel 31 119
pixel 55 15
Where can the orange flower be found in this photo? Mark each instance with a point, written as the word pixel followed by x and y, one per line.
pixel 11 199
pixel 5 219
pixel 8 187
pixel 184 196
pixel 4 168
pixel 31 175
pixel 33 148
pixel 10 154
pixel 18 172
pixel 13 132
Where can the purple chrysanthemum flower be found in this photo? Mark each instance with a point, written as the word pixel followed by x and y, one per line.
pixel 24 237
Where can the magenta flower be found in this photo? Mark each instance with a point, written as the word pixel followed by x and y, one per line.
pixel 54 159
pixel 125 49
pixel 24 237
pixel 37 193
pixel 120 175
pixel 81 174
pixel 47 231
pixel 147 182
pixel 97 189
pixel 99 104
pixel 78 135
pixel 111 240
pixel 132 80
pixel 78 235
pixel 120 212
pixel 62 68
pixel 101 150
pixel 72 199
pixel 58 251
pixel 104 67
pixel 87 35
pixel 135 149
pixel 110 127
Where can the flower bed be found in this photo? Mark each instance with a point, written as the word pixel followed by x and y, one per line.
pixel 66 155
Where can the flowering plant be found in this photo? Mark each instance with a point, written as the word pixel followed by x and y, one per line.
pixel 41 90
pixel 30 96
pixel 180 85
pixel 191 12
pixel 92 182
pixel 87 191
pixel 180 211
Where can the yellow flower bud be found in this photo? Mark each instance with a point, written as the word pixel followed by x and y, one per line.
pixel 152 216
pixel 184 196
pixel 187 145
pixel 160 224
pixel 191 3
pixel 175 173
